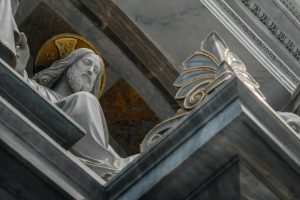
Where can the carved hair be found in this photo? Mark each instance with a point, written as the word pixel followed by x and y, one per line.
pixel 48 77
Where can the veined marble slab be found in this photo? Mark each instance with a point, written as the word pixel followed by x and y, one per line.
pixel 179 26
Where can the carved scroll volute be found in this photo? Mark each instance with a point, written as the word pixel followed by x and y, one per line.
pixel 203 72
pixel 199 72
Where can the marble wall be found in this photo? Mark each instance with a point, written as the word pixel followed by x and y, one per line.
pixel 179 26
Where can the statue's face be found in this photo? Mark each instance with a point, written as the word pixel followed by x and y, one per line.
pixel 82 74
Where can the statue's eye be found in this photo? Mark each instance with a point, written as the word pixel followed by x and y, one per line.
pixel 87 62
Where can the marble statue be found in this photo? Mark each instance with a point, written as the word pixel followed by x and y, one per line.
pixel 9 34
pixel 72 84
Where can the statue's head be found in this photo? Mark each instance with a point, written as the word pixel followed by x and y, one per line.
pixel 82 74
pixel 83 69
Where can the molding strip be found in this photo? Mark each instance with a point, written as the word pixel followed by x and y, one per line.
pixel 261 15
pixel 250 40
pixel 289 4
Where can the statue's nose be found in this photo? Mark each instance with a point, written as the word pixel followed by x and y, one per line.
pixel 90 71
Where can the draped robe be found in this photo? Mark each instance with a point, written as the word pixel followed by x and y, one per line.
pixel 93 149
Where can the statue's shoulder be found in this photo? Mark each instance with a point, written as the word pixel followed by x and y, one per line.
pixel 45 92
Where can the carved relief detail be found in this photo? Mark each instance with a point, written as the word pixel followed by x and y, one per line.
pixel 258 42
pixel 272 27
pixel 204 72
pixel 289 4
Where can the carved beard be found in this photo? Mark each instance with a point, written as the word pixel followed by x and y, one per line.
pixel 73 80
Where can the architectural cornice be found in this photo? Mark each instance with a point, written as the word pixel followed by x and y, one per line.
pixel 256 46
pixel 290 5
pixel 262 16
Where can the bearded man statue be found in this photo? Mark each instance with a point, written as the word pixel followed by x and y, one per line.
pixel 72 84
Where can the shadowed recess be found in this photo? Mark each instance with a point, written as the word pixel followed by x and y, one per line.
pixel 42 24
pixel 128 117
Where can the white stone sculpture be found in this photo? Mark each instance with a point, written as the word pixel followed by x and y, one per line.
pixel 72 80
pixel 71 84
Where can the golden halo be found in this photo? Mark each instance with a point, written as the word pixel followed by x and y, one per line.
pixel 60 46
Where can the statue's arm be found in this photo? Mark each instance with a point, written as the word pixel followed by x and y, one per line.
pixel 23 54
pixel 13 44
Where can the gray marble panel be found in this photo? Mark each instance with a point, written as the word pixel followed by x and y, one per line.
pixel 22 183
pixel 6 194
pixel 179 26
pixel 251 187
pixel 222 186
pixel 233 181
pixel 24 10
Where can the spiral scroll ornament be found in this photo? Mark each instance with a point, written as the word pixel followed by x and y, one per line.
pixel 203 73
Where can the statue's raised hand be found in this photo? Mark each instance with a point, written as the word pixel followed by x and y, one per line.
pixel 23 54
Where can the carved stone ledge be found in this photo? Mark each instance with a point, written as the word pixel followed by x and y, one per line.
pixel 35 167
pixel 47 117
pixel 231 130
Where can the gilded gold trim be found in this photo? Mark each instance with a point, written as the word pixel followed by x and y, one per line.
pixel 177 97
pixel 65 46
pixel 211 56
